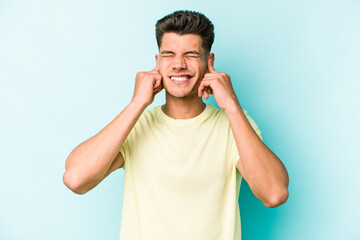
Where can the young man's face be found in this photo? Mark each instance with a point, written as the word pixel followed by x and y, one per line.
pixel 182 62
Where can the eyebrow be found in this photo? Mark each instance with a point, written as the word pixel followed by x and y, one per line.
pixel 192 52
pixel 167 52
pixel 187 52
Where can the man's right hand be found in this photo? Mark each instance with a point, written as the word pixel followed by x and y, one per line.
pixel 147 85
pixel 91 161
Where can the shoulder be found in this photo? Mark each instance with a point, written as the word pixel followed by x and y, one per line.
pixel 220 115
pixel 148 117
pixel 216 113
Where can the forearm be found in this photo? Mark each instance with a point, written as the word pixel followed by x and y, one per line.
pixel 90 161
pixel 260 167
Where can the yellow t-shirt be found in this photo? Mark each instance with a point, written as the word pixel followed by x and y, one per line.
pixel 181 180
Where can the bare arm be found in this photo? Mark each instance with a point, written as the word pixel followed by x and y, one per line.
pixel 260 167
pixel 90 162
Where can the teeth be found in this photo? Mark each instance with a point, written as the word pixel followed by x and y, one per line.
pixel 179 78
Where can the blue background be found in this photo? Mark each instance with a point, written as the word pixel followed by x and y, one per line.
pixel 67 68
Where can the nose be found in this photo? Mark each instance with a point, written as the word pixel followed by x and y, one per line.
pixel 179 63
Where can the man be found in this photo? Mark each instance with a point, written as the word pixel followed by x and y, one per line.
pixel 183 161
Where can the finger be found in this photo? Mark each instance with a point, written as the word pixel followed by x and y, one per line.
pixel 156 91
pixel 156 83
pixel 210 66
pixel 158 88
pixel 201 88
pixel 157 78
pixel 207 82
pixel 211 75
pixel 156 73
pixel 205 93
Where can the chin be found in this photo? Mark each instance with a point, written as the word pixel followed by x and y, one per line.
pixel 181 95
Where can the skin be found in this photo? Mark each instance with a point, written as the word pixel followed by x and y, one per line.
pixel 180 56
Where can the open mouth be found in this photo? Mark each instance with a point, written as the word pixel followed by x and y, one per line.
pixel 183 78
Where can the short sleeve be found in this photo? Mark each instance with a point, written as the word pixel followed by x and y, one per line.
pixel 253 125
pixel 235 154
pixel 124 151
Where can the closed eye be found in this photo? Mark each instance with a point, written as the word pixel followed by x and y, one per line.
pixel 166 55
pixel 192 55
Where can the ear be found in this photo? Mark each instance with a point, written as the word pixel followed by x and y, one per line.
pixel 157 61
pixel 211 58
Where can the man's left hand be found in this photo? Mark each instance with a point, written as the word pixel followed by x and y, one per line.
pixel 218 84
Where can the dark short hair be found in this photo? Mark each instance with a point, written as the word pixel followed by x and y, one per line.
pixel 186 22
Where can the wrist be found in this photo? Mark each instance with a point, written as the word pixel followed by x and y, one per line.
pixel 138 104
pixel 233 107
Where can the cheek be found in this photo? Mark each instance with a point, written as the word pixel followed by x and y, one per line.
pixel 202 70
pixel 163 65
pixel 199 65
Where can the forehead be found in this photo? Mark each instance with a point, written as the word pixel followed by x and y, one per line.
pixel 181 43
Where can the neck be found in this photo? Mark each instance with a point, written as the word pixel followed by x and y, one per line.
pixel 182 108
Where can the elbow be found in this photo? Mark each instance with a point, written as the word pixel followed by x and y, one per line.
pixel 277 199
pixel 73 183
